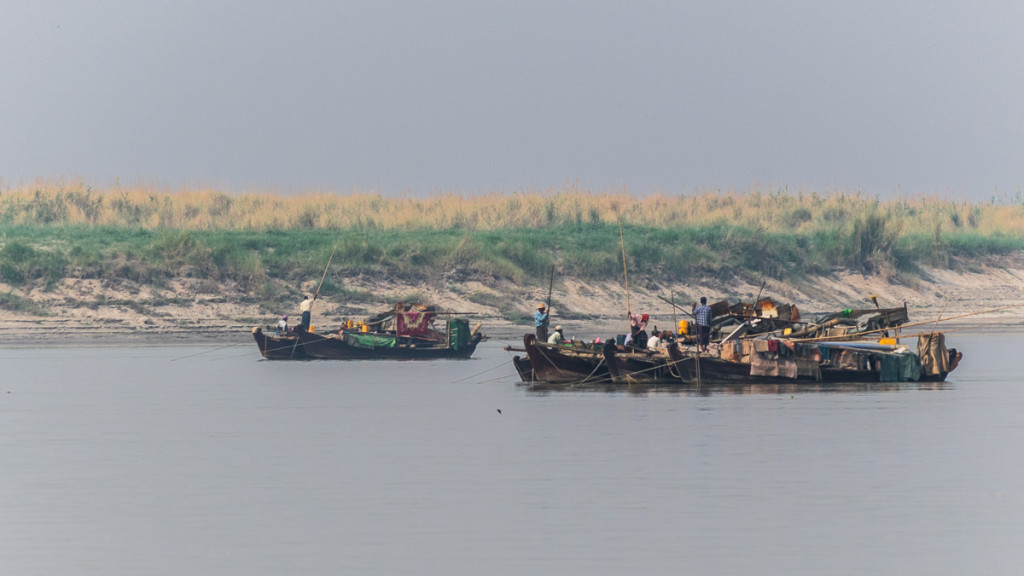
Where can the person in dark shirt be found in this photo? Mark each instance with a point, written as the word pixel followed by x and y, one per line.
pixel 540 322
pixel 638 331
pixel 702 314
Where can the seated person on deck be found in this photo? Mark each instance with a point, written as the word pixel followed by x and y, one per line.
pixel 659 341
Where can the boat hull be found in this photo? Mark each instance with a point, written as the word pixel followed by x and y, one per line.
pixel 524 368
pixel 274 347
pixel 551 364
pixel 334 347
pixel 560 364
pixel 637 367
pixel 710 370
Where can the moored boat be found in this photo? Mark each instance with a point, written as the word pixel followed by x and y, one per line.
pixel 577 362
pixel 275 346
pixel 848 346
pixel 631 366
pixel 581 363
pixel 346 345
pixel 405 332
pixel 823 362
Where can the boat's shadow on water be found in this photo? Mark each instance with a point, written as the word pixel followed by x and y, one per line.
pixel 641 389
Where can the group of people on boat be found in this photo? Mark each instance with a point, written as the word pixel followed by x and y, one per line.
pixel 660 340
pixel 765 339
pixel 638 337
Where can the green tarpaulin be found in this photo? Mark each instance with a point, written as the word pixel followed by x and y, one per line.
pixel 361 340
pixel 458 333
pixel 899 368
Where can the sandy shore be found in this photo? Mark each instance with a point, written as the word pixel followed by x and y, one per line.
pixel 82 311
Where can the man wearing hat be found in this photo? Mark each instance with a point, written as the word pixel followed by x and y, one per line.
pixel 540 322
pixel 282 325
pixel 556 336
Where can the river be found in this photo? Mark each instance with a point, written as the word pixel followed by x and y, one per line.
pixel 210 461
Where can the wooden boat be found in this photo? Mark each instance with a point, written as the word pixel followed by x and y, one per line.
pixel 707 369
pixel 274 346
pixel 560 363
pixel 741 358
pixel 346 345
pixel 404 332
pixel 581 363
pixel 631 366
pixel 842 362
pixel 585 365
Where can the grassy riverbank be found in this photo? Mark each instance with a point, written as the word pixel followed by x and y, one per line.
pixel 271 247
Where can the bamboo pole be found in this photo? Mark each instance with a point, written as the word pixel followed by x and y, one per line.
pixel 675 319
pixel 625 275
pixel 938 318
pixel 758 299
pixel 551 286
pixel 675 306
pixel 326 269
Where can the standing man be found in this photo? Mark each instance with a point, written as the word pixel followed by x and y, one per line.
pixel 702 314
pixel 305 307
pixel 540 322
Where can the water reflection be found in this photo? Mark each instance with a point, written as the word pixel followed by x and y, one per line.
pixel 642 389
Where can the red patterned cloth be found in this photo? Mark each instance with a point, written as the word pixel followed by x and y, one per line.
pixel 413 323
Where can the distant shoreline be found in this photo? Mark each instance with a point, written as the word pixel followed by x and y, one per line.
pixel 186 310
pixel 243 339
pixel 40 332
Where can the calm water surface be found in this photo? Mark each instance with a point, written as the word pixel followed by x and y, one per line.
pixel 177 460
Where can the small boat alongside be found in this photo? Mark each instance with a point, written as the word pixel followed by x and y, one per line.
pixel 558 363
pixel 591 363
pixel 276 346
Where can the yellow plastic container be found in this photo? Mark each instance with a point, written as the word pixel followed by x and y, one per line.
pixel 684 327
pixel 312 328
pixel 365 328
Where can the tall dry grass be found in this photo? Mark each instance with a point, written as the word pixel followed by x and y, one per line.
pixel 777 211
pixel 267 242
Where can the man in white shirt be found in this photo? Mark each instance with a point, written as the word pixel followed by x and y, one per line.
pixel 305 307
pixel 654 342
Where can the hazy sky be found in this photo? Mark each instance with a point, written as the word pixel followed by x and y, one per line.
pixel 418 97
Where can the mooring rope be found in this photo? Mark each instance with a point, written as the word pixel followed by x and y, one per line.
pixel 207 351
pixel 480 373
